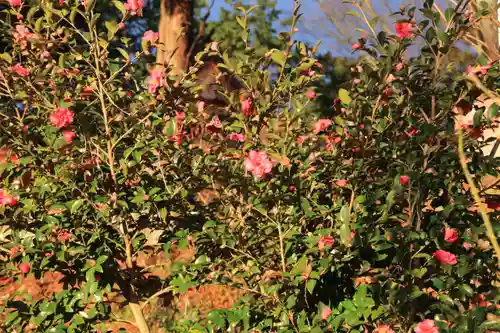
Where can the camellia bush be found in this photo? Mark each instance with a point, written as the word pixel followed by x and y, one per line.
pixel 129 204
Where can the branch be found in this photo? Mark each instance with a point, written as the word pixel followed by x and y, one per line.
pixel 201 31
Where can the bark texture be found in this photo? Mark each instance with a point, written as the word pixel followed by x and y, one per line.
pixel 175 34
pixel 485 36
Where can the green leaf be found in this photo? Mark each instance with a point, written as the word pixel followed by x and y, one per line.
pixel 119 5
pixel 112 27
pixel 345 215
pixel 6 57
pixel 76 205
pixel 124 54
pixel 344 96
pixel 306 207
pixel 279 57
pixel 492 111
pixel 310 285
pixel 477 117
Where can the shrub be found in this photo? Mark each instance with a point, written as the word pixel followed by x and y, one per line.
pixel 269 219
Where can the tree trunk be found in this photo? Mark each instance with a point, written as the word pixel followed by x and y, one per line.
pixel 485 36
pixel 175 34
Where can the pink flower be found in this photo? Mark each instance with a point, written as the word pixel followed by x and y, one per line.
pixel 356 81
pixel 321 125
pixel 201 106
pixel 150 36
pixel 63 236
pixel 121 25
pixel 383 329
pixel 404 180
pixel 247 106
pixel 180 116
pixel 325 313
pixel 325 241
pixel 308 72
pixel 399 66
pixel 68 135
pixel 134 6
pixel 342 182
pixel 237 137
pixel 388 92
pixel 7 199
pixel 450 235
pixel 467 245
pixel 155 80
pixel 404 29
pixel 301 139
pixel 20 70
pixel 412 132
pixel 62 117
pixel 426 326
pixel 311 94
pixel 258 163
pixel 356 46
pixel 445 257
pixel 15 3
pixel 61 2
pixel 214 125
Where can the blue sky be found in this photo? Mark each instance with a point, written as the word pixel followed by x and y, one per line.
pixel 315 24
pixel 309 32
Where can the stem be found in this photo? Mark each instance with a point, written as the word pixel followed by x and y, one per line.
pixel 475 193
pixel 133 299
pixel 282 248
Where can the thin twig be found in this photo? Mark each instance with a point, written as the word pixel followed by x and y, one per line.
pixel 475 193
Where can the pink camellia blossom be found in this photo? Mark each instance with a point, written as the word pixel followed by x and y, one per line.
pixel 247 106
pixel 325 241
pixel 311 94
pixel 201 106
pixel 308 72
pixel 383 329
pixel 356 46
pixel 450 235
pixel 68 135
pixel 180 116
pixel 155 80
pixel 467 245
pixel 62 117
pixel 258 163
pixel 341 182
pixel 426 326
pixel 321 125
pixel 325 313
pixel 413 131
pixel 404 180
pixel 151 36
pixel 134 6
pixel 7 199
pixel 214 125
pixel 22 34
pixel 445 257
pixel 237 137
pixel 63 236
pixel 20 70
pixel 404 29
pixel 15 3
pixel 399 66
